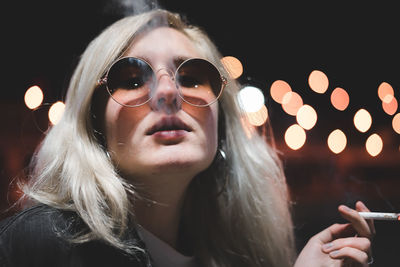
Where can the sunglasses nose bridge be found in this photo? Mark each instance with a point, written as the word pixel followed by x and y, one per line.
pixel 165 95
pixel 165 81
pixel 160 73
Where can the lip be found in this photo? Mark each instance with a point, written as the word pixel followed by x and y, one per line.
pixel 169 137
pixel 169 127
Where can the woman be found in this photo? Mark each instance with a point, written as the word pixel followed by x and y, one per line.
pixel 153 164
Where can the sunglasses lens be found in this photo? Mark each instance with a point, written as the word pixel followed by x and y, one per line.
pixel 129 81
pixel 199 81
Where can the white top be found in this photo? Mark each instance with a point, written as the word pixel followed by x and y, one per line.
pixel 163 254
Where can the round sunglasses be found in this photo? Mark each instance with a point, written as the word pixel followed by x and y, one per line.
pixel 132 82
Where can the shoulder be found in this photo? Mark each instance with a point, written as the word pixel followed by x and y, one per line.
pixel 32 232
pixel 33 222
pixel 33 216
pixel 41 234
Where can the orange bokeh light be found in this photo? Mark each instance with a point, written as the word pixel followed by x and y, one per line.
pixel 233 66
pixel 390 107
pixel 396 123
pixel 385 89
pixel 259 117
pixel 278 89
pixel 291 103
pixel 340 98
pixel 388 98
pixel 318 81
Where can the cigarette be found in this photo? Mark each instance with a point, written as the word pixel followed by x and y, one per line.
pixel 380 216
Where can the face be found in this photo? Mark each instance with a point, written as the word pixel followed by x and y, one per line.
pixel 165 136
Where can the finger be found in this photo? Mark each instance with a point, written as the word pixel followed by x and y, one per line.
pixel 350 253
pixel 333 232
pixel 359 223
pixel 360 243
pixel 361 207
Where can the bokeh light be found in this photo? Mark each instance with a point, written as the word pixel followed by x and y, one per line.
pixel 259 117
pixel 384 90
pixel 233 66
pixel 56 111
pixel 362 120
pixel 278 89
pixel 295 137
pixel 306 117
pixel 318 81
pixel 251 99
pixel 33 97
pixel 340 99
pixel 374 145
pixel 396 123
pixel 388 98
pixel 291 103
pixel 337 141
pixel 390 106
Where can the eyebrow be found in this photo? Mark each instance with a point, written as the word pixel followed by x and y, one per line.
pixel 179 60
pixel 176 61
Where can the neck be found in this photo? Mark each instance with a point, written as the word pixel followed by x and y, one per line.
pixel 159 209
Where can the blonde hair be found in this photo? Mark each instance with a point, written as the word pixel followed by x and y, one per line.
pixel 248 224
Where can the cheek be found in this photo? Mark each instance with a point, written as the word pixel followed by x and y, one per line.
pixel 121 123
pixel 207 118
pixel 211 129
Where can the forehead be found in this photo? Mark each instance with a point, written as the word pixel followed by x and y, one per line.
pixel 162 45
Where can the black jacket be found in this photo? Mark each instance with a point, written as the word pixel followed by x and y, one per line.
pixel 38 236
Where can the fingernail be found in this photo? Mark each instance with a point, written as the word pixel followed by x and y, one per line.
pixel 334 253
pixel 362 204
pixel 327 246
pixel 345 208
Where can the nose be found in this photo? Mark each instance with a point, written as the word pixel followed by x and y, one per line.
pixel 165 96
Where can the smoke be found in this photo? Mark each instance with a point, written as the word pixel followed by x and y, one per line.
pixel 131 7
pixel 365 184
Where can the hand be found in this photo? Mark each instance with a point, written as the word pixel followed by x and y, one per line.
pixel 341 244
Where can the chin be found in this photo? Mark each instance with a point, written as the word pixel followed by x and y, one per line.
pixel 181 159
pixel 181 164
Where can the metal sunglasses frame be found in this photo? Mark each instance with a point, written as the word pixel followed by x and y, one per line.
pixel 103 81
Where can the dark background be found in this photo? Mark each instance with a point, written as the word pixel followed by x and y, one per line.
pixel 356 44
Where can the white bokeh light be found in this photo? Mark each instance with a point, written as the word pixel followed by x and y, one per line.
pixel 56 111
pixel 337 141
pixel 362 120
pixel 33 97
pixel 306 117
pixel 374 145
pixel 251 99
pixel 295 137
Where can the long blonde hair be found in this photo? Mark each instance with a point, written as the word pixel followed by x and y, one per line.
pixel 247 224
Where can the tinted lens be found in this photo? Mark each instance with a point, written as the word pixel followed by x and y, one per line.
pixel 129 81
pixel 199 81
